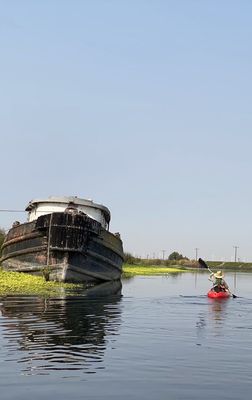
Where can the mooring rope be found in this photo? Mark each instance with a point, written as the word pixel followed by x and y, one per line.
pixel 3 210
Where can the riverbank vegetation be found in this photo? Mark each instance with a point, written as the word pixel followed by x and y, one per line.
pixel 229 265
pixel 176 263
pixel 176 260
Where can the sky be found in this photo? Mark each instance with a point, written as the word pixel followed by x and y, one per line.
pixel 141 105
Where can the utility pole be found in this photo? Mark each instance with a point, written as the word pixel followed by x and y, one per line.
pixel 196 253
pixel 235 247
pixel 163 251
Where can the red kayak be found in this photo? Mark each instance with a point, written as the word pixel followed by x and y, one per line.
pixel 218 295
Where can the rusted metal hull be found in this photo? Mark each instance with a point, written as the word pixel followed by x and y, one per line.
pixel 64 247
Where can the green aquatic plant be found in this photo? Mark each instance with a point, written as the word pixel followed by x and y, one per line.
pixel 23 283
pixel 46 272
pixel 152 270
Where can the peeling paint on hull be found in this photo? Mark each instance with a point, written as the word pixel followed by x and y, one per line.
pixel 68 247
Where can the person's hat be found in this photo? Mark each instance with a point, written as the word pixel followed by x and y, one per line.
pixel 219 274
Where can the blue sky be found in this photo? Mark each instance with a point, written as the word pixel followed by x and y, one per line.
pixel 143 106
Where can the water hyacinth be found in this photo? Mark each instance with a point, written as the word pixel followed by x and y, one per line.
pixel 23 283
pixel 146 270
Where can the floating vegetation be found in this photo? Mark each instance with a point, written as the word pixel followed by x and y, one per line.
pixel 26 284
pixel 23 283
pixel 146 270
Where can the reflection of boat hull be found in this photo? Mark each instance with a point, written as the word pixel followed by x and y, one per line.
pixel 64 247
pixel 104 289
pixel 218 295
pixel 67 332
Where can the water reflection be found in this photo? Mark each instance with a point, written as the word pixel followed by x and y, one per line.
pixel 218 314
pixel 215 318
pixel 218 308
pixel 65 333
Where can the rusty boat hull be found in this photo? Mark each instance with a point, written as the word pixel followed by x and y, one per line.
pixel 64 247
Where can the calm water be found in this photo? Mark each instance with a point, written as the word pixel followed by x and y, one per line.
pixel 156 338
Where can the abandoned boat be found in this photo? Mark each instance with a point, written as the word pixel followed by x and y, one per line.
pixel 66 239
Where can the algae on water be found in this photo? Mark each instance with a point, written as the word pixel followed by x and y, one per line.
pixel 24 283
pixel 146 270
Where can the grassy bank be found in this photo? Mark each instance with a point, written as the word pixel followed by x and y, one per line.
pixel 180 265
pixel 21 283
pixel 234 266
pixel 132 270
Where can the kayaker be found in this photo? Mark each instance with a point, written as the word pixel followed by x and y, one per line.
pixel 219 284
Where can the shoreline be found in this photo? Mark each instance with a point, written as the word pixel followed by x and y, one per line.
pixel 152 269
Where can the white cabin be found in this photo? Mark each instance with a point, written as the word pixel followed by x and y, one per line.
pixel 98 212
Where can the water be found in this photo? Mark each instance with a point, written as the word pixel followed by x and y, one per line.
pixel 156 338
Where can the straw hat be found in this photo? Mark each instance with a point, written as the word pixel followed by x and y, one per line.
pixel 219 274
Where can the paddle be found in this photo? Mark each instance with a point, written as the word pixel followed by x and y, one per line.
pixel 204 265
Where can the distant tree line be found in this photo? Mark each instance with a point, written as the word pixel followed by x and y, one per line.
pixel 174 258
